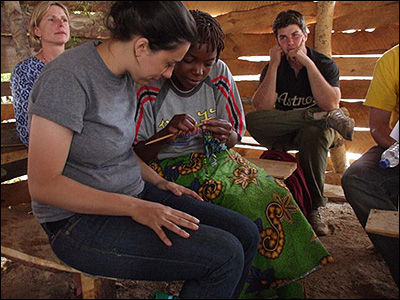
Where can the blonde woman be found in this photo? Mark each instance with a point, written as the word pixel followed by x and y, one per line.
pixel 48 33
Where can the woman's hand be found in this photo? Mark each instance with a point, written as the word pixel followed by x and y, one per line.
pixel 177 189
pixel 156 216
pixel 221 129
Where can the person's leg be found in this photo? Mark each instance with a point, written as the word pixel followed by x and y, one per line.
pixel 367 186
pixel 227 220
pixel 313 143
pixel 212 261
pixel 273 127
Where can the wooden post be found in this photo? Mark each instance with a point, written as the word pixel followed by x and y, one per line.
pixel 323 39
pixel 19 32
pixel 323 27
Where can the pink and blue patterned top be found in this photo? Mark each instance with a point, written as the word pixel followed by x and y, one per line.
pixel 23 77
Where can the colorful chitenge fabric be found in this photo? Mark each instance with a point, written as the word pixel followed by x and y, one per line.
pixel 288 248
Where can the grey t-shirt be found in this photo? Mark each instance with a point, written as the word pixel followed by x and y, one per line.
pixel 216 97
pixel 78 91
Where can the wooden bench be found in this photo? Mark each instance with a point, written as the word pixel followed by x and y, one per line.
pixel 278 169
pixel 383 222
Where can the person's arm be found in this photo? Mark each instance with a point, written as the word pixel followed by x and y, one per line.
pixel 326 96
pixel 222 130
pixel 379 121
pixel 265 96
pixel 48 153
pixel 21 86
pixel 151 176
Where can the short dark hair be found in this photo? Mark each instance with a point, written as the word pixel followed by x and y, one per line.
pixel 166 24
pixel 290 17
pixel 209 32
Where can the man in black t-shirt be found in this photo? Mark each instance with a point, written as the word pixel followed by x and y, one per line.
pixel 297 106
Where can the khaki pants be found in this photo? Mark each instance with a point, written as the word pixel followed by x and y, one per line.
pixel 297 130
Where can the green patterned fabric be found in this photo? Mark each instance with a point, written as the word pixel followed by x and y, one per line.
pixel 288 249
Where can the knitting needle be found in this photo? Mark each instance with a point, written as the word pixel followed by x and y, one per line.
pixel 160 139
pixel 166 137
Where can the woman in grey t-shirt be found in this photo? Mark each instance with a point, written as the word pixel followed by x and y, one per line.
pixel 105 212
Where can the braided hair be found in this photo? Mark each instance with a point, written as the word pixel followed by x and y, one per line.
pixel 209 32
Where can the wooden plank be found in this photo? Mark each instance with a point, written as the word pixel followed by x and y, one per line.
pixel 361 142
pixel 359 112
pixel 247 88
pixel 278 169
pixel 8 54
pixel 97 287
pixel 12 148
pixel 383 222
pixel 23 239
pixel 247 44
pixel 347 66
pixel 248 152
pixel 34 261
pixel 334 193
pixel 14 170
pixel 7 110
pixel 5 90
pixel 15 193
pixel 377 42
pixel 216 8
pixel 256 21
pixel 10 157
pixel 351 89
pixel 363 14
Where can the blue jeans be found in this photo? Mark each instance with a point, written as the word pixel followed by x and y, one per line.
pixel 214 262
pixel 367 187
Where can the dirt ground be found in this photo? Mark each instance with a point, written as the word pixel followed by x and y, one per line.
pixel 357 273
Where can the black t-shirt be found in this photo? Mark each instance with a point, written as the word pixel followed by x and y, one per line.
pixel 295 92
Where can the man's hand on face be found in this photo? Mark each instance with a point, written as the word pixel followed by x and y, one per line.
pixel 275 54
pixel 299 55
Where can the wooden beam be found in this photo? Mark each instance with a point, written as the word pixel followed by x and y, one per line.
pixel 356 66
pixel 351 89
pixel 278 169
pixel 347 66
pixel 359 112
pixel 7 110
pixel 241 44
pixel 15 193
pixel 17 29
pixel 5 90
pixel 13 156
pixel 259 21
pixel 354 89
pixel 9 58
pixel 363 14
pixel 323 28
pixel 216 8
pixel 361 142
pixel 377 42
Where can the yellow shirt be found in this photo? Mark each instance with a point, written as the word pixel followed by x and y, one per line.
pixel 383 93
